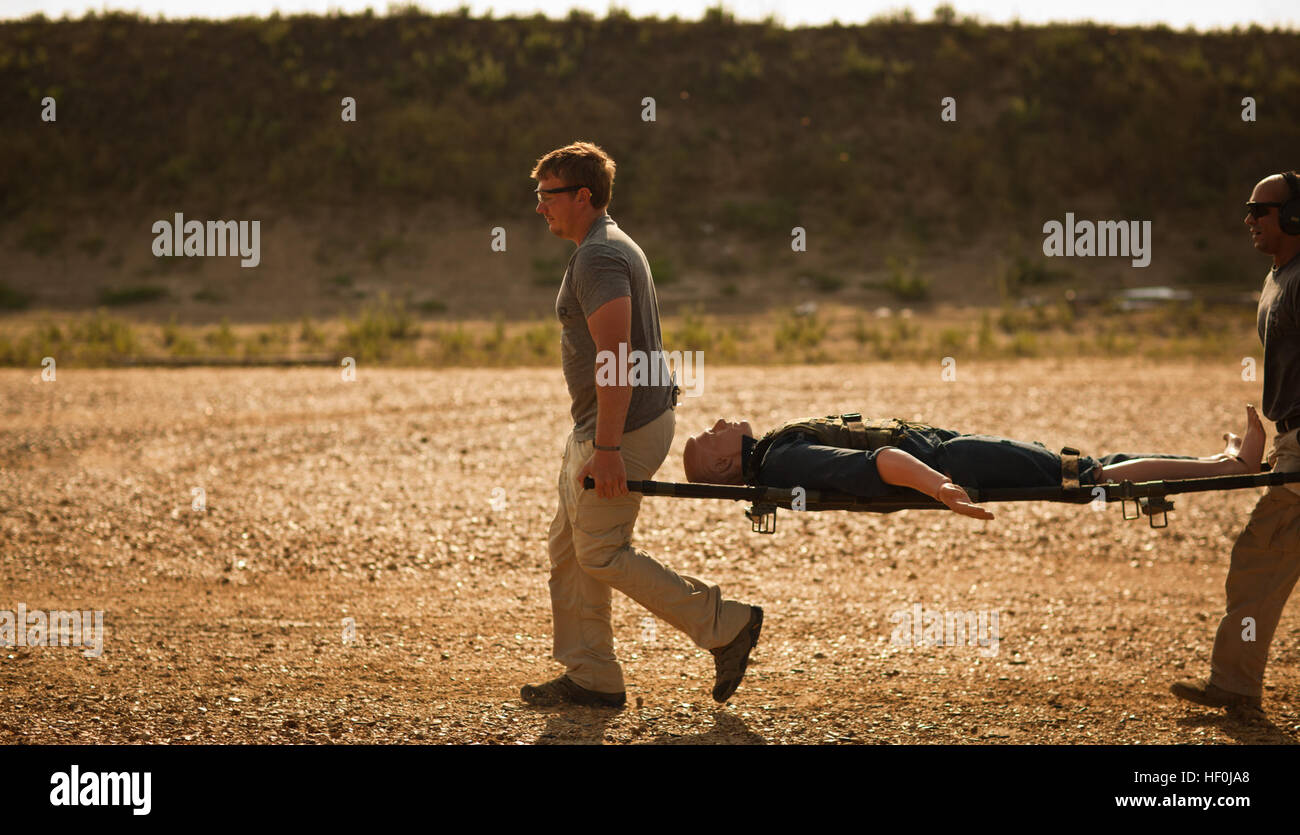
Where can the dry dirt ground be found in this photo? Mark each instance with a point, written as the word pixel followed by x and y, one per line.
pixel 416 502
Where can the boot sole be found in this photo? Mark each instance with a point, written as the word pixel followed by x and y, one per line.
pixel 539 699
pixel 1195 696
pixel 754 631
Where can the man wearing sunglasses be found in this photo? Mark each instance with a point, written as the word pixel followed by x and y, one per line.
pixel 1266 557
pixel 621 430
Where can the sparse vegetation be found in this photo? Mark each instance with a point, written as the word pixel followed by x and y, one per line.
pixel 132 294
pixel 384 332
pixel 448 82
pixel 904 281
pixel 210 295
pixel 694 333
pixel 450 79
pixel 799 331
pixel 824 282
pixel 222 339
pixel 380 325
pixel 308 332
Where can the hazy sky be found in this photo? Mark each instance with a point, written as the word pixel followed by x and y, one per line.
pixel 1203 14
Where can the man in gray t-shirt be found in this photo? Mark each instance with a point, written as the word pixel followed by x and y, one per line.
pixel 623 426
pixel 1266 556
pixel 606 266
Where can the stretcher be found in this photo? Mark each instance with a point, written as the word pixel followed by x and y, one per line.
pixel 1148 498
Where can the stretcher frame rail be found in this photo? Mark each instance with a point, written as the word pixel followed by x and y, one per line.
pixel 1149 498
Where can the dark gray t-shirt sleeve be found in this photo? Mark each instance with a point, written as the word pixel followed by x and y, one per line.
pixel 1279 330
pixel 600 275
pixel 801 463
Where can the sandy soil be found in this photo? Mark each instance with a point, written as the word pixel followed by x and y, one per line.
pixel 417 502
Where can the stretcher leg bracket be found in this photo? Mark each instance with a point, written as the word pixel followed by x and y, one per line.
pixel 1150 507
pixel 762 518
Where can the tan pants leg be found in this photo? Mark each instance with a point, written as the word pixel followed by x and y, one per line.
pixel 580 608
pixel 591 553
pixel 1264 569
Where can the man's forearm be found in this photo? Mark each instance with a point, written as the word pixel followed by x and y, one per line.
pixel 612 402
pixel 898 468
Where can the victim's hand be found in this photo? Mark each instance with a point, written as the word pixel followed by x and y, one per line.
pixel 606 469
pixel 958 500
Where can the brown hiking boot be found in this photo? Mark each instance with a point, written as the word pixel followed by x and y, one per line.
pixel 730 661
pixel 1202 692
pixel 564 690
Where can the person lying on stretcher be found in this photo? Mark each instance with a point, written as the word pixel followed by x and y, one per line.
pixel 873 459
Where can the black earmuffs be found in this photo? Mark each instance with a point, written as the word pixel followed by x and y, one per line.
pixel 1288 215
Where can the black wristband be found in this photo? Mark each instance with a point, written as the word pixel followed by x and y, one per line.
pixel 605 448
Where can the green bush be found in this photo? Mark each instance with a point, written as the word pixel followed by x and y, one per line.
pixel 222 339
pixel 455 343
pixel 183 345
pixel 904 282
pixel 796 331
pixel 695 333
pixel 132 294
pixel 495 342
pixel 858 64
pixel 719 16
pixel 209 294
pixel 101 336
pixel 825 282
pixel 1025 272
pixel 380 322
pixel 861 333
pixel 1024 344
pixel 170 331
pixel 542 340
pixel 951 339
pixel 309 333
pixel 486 77
pixel 747 66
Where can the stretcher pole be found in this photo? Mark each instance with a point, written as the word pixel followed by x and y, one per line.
pixel 1149 497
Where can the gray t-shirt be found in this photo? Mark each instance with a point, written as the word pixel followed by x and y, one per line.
pixel 608 265
pixel 1279 329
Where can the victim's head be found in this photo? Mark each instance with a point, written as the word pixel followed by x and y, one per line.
pixel 713 456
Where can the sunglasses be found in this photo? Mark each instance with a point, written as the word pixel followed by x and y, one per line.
pixel 1258 210
pixel 541 191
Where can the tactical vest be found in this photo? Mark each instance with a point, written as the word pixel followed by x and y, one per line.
pixel 848 431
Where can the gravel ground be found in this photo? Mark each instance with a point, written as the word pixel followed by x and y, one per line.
pixel 416 503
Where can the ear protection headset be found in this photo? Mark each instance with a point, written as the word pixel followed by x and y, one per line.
pixel 1288 214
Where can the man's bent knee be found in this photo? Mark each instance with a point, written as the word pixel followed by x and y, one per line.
pixel 600 561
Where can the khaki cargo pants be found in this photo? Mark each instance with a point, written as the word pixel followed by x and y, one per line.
pixel 591 553
pixel 1265 565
